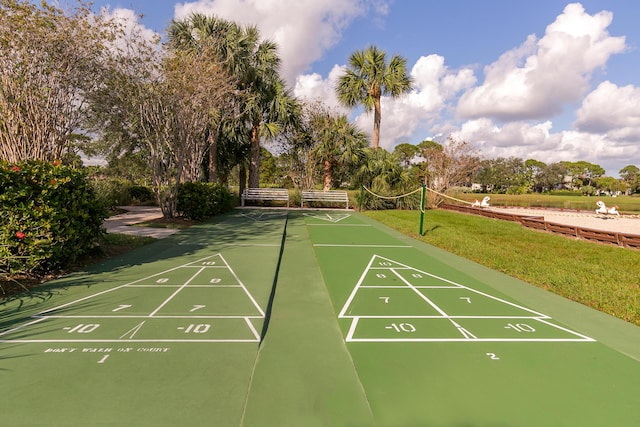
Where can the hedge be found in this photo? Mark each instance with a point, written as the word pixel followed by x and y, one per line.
pixel 200 200
pixel 49 216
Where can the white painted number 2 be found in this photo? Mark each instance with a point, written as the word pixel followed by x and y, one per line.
pixel 493 356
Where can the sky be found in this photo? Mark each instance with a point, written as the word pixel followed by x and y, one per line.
pixel 548 80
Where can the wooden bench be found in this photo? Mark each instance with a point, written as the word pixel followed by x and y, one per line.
pixel 334 196
pixel 265 194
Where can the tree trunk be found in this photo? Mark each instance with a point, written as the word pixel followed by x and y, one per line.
pixel 376 123
pixel 242 179
pixel 327 176
pixel 213 156
pixel 254 164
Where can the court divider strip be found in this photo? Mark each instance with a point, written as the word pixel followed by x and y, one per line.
pixel 272 295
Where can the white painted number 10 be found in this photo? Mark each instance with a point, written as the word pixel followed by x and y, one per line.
pixel 520 327
pixel 197 329
pixel 83 329
pixel 402 327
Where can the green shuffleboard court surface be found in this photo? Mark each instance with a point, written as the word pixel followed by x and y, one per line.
pixel 309 318
pixel 166 337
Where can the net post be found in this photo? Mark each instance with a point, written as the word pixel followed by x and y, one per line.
pixel 361 197
pixel 422 209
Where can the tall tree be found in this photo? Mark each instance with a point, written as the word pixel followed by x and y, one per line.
pixel 405 153
pixel 381 172
pixel 166 101
pixel 533 169
pixel 446 165
pixel 339 143
pixel 255 63
pixel 631 175
pixel 552 176
pixel 583 172
pixel 50 62
pixel 224 39
pixel 368 77
pixel 323 147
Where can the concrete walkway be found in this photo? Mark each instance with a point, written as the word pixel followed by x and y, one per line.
pixel 124 223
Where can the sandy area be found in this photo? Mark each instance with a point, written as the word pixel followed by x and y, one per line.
pixel 629 224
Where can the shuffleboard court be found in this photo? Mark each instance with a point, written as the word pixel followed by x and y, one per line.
pixel 309 318
pixel 440 341
pixel 168 336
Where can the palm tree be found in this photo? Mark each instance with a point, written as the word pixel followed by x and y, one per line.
pixel 382 173
pixel 195 34
pixel 272 108
pixel 368 77
pixel 269 106
pixel 340 143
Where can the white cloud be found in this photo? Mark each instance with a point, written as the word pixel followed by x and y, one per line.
pixel 535 80
pixel 536 141
pixel 313 87
pixel 303 30
pixel 612 110
pixel 434 86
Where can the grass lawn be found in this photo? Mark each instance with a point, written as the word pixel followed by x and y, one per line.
pixel 603 277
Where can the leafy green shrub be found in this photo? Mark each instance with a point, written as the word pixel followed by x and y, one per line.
pixel 199 200
pixel 49 216
pixel 141 194
pixel 112 192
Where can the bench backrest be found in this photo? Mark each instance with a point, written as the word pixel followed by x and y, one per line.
pixel 340 196
pixel 325 196
pixel 266 192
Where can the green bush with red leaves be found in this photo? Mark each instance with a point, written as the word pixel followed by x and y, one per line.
pixel 49 216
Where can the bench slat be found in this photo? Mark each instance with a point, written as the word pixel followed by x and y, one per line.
pixel 325 196
pixel 269 194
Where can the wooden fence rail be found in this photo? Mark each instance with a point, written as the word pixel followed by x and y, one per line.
pixel 538 223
